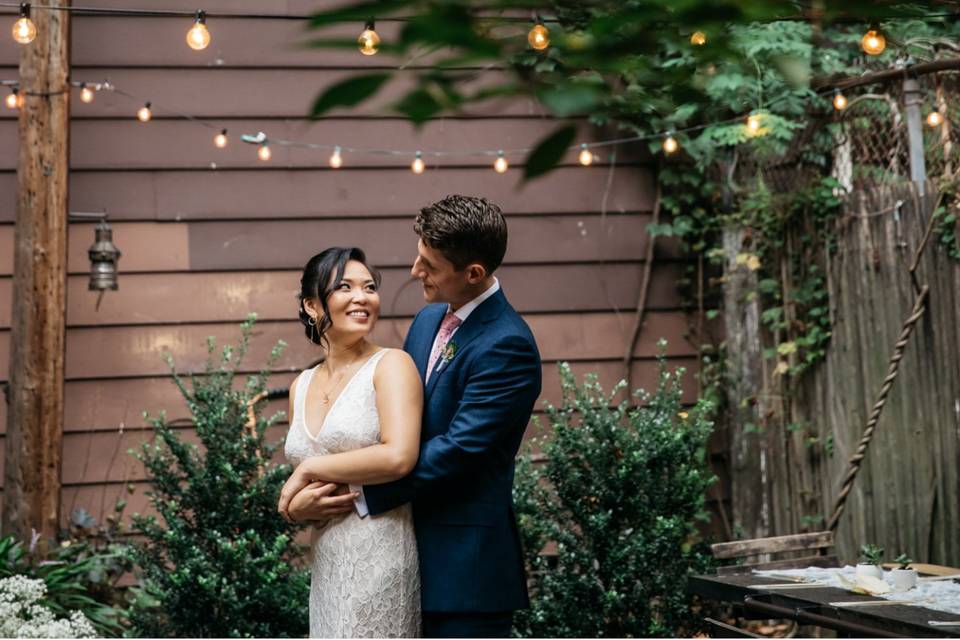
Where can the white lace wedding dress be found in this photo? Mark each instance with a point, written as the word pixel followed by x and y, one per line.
pixel 365 578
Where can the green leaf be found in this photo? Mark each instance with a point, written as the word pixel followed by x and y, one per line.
pixel 548 153
pixel 570 99
pixel 348 93
pixel 419 106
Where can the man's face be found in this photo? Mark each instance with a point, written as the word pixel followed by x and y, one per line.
pixel 441 281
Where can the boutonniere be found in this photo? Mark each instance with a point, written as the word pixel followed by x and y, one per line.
pixel 449 351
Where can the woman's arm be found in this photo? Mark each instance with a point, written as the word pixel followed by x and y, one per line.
pixel 399 405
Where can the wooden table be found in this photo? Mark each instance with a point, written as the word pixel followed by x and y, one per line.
pixel 810 606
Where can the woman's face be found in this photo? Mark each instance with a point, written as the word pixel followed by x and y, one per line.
pixel 354 303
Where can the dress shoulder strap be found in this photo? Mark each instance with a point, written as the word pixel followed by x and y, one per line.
pixel 303 383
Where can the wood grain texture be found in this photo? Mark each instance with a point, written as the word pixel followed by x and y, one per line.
pixel 775 544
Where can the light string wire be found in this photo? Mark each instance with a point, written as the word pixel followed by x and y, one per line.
pixel 262 138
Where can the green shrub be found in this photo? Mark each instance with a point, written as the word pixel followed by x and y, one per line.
pixel 221 563
pixel 620 492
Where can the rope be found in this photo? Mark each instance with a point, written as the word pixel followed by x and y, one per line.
pixel 856 460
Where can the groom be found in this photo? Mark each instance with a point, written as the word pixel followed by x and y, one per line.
pixel 481 372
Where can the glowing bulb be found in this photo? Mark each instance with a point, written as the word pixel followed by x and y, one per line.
pixel 220 140
pixel 539 37
pixel 144 114
pixel 264 152
pixel 699 38
pixel 336 160
pixel 873 43
pixel 754 123
pixel 670 145
pixel 839 101
pixel 86 94
pixel 586 156
pixel 417 166
pixel 500 165
pixel 13 100
pixel 198 37
pixel 368 39
pixel 24 31
pixel 934 119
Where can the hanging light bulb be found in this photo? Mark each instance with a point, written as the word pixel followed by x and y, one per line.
pixel 336 160
pixel 754 124
pixel 144 114
pixel 539 36
pixel 839 101
pixel 13 99
pixel 417 165
pixel 699 38
pixel 873 43
pixel 368 39
pixel 220 140
pixel 670 144
pixel 86 93
pixel 198 37
pixel 24 31
pixel 264 152
pixel 934 119
pixel 500 165
pixel 586 156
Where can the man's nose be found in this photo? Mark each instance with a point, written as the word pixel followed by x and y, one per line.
pixel 415 269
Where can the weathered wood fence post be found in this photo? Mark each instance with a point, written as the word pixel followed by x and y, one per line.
pixel 38 322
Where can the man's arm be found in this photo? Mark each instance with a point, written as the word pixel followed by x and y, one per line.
pixel 506 385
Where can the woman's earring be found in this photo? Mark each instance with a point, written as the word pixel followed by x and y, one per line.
pixel 313 328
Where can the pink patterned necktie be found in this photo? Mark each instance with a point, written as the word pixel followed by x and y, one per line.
pixel 450 322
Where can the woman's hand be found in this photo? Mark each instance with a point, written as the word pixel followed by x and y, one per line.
pixel 294 484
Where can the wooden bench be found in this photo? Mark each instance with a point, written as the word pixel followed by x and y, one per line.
pixel 759 553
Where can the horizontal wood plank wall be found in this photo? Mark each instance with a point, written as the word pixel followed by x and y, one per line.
pixel 210 235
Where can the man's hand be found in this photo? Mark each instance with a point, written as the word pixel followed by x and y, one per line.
pixel 319 501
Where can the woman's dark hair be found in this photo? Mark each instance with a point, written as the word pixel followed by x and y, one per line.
pixel 465 229
pixel 321 276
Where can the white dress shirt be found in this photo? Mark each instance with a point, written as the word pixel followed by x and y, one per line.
pixel 360 503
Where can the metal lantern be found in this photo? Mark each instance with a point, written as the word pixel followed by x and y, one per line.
pixel 103 259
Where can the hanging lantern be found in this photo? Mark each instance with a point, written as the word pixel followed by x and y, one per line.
pixel 103 259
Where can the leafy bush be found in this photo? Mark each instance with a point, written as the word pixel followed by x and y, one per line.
pixel 222 562
pixel 620 492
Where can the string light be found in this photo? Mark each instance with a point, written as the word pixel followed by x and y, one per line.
pixel 417 165
pixel 86 93
pixel 500 165
pixel 24 31
pixel 198 37
pixel 586 156
pixel 368 39
pixel 144 114
pixel 839 101
pixel 670 144
pixel 336 160
pixel 873 43
pixel 13 99
pixel 220 140
pixel 539 36
pixel 264 152
pixel 754 124
pixel 699 38
pixel 934 119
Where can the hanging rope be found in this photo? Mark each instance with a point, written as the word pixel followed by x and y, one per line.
pixel 856 460
pixel 644 289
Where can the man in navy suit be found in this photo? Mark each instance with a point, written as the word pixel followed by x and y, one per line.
pixel 482 376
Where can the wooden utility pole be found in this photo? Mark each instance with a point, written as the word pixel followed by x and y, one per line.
pixel 38 324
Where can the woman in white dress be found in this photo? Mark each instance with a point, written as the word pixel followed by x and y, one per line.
pixel 356 419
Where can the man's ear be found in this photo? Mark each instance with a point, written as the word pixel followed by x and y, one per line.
pixel 476 272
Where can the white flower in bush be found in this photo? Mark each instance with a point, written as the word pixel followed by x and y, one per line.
pixel 23 616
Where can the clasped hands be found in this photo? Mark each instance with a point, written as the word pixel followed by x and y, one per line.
pixel 304 499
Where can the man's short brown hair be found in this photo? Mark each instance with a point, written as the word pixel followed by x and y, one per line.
pixel 466 230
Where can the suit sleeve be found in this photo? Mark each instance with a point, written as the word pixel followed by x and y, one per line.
pixel 499 393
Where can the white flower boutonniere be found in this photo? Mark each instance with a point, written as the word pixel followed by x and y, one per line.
pixel 448 352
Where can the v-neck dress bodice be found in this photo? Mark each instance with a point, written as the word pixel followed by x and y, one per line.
pixel 365 578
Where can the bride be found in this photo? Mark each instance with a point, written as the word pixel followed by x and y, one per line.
pixel 356 416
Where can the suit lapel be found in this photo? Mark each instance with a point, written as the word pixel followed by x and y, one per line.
pixel 489 310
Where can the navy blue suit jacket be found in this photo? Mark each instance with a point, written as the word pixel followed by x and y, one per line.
pixel 476 408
